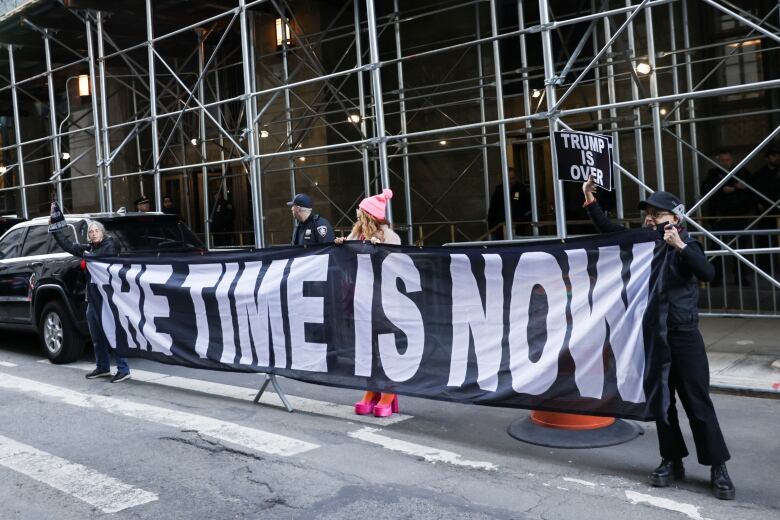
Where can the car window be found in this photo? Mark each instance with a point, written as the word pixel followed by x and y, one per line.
pixel 152 234
pixel 11 243
pixel 81 231
pixel 36 242
pixel 69 234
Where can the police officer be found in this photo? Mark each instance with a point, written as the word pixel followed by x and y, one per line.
pixel 310 228
pixel 689 373
pixel 142 204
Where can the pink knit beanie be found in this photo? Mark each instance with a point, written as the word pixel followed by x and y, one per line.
pixel 375 206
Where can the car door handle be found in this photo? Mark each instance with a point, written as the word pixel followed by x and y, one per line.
pixel 36 264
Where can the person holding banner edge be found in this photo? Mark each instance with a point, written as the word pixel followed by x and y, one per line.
pixel 372 225
pixel 689 370
pixel 99 244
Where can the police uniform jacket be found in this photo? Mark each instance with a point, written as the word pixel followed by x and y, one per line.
pixel 685 269
pixel 315 230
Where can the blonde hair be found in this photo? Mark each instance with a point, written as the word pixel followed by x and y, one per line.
pixel 368 226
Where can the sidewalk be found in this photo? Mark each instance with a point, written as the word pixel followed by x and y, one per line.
pixel 744 354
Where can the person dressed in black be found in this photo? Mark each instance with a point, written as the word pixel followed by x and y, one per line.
pixel 310 228
pixel 689 374
pixel 731 204
pixel 169 207
pixel 222 220
pixel 100 244
pixel 767 181
pixel 520 205
pixel 142 204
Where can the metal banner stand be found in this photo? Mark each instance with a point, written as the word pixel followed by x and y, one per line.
pixel 271 378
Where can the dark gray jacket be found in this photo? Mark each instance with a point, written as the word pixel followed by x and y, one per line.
pixel 107 247
pixel 315 230
pixel 685 270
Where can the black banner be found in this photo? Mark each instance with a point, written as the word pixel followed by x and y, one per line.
pixel 580 155
pixel 572 327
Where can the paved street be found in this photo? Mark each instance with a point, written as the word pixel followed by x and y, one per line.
pixel 180 443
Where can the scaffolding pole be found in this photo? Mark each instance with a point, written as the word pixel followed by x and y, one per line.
pixel 379 113
pixel 17 133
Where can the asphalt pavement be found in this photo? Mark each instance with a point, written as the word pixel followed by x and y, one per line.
pixel 183 443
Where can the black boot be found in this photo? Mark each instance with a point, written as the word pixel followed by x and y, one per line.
pixel 722 487
pixel 668 470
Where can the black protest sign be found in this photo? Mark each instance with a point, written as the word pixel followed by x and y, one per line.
pixel 569 327
pixel 581 155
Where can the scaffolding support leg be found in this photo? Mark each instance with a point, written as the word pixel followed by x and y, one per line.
pixel 271 378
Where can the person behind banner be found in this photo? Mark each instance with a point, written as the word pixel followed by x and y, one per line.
pixel 100 244
pixel 310 228
pixel 169 208
pixel 729 206
pixel 142 204
pixel 520 204
pixel 689 374
pixel 372 225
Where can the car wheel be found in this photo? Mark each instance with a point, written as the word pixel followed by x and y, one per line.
pixel 60 340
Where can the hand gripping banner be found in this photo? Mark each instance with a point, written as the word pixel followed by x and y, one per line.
pixel 574 327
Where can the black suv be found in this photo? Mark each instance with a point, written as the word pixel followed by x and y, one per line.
pixel 42 287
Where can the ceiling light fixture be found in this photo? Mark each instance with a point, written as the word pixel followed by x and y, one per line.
pixel 643 68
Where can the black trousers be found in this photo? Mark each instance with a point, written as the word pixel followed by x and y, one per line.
pixel 689 377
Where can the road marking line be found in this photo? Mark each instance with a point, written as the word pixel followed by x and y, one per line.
pixel 428 453
pixel 688 510
pixel 96 489
pixel 250 438
pixel 303 404
pixel 578 481
pixel 8 364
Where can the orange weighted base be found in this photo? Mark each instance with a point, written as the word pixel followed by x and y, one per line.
pixel 569 430
pixel 570 421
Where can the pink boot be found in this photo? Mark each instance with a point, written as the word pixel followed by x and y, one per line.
pixel 386 406
pixel 366 406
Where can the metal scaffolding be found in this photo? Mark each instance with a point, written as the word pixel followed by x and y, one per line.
pixel 231 107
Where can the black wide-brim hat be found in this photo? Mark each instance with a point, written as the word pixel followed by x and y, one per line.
pixel 660 200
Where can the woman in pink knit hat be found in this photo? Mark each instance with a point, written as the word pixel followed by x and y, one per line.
pixel 372 225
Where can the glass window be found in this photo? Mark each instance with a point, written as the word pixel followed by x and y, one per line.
pixel 153 233
pixel 36 242
pixel 12 243
pixel 742 65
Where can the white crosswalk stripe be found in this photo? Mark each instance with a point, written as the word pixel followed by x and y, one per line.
pixel 303 404
pixel 428 453
pixel 249 438
pixel 96 489
pixel 8 364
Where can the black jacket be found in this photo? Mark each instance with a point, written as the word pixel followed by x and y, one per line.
pixel 738 202
pixel 107 247
pixel 315 230
pixel 685 269
pixel 520 203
